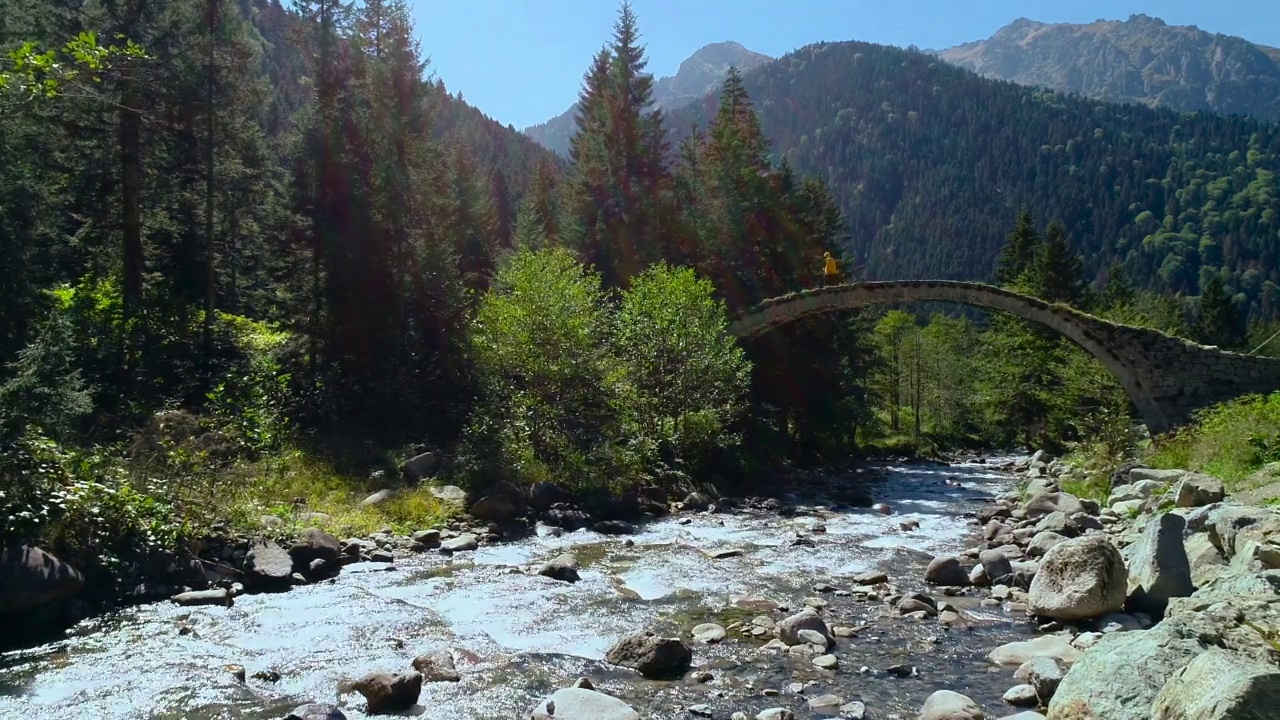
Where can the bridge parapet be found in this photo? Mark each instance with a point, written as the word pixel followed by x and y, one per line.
pixel 1167 378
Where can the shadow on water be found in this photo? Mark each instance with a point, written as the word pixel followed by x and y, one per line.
pixel 517 636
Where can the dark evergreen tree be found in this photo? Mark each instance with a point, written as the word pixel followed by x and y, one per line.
pixel 1057 272
pixel 1219 317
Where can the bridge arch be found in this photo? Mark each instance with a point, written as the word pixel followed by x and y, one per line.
pixel 1111 344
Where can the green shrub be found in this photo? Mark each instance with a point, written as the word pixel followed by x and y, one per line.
pixel 1231 440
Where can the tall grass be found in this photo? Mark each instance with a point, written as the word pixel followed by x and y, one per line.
pixel 1231 440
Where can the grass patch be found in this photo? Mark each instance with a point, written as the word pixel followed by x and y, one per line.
pixel 1232 440
pixel 1091 487
pixel 270 486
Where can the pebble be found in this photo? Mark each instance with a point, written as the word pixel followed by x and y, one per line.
pixel 700 710
pixel 826 662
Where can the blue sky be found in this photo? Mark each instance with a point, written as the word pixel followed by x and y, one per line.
pixel 521 61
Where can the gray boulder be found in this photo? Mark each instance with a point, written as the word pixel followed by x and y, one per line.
pixel 1043 542
pixel 1205 560
pixel 216 596
pixel 1120 676
pixel 1158 566
pixel 1196 490
pixel 654 657
pixel 387 694
pixel 995 565
pixel 378 498
pixel 269 565
pixel 1044 503
pixel 946 570
pixel 583 704
pixel 542 495
pixel 315 711
pixel 563 568
pixel 1078 579
pixel 497 508
pixel 1218 685
pixel 462 543
pixel 314 544
pixel 437 666
pixel 31 577
pixel 788 629
pixel 1164 477
pixel 1042 673
pixel 949 705
pixel 420 467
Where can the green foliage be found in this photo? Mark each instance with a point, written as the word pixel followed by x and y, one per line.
pixel 81 62
pixel 687 377
pixel 932 164
pixel 1231 440
pixel 541 345
pixel 580 391
pixel 45 388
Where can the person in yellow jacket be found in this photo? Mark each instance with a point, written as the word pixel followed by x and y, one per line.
pixel 830 270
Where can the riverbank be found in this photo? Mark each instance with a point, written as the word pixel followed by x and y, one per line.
pixel 902 606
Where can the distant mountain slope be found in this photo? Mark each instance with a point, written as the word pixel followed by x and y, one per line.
pixel 1141 59
pixel 699 74
pixel 931 163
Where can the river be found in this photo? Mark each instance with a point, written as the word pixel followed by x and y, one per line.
pixel 517 636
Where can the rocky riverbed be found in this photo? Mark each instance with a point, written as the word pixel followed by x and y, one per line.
pixel 973 596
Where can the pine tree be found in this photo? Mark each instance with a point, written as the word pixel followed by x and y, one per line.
pixel 1119 292
pixel 1219 319
pixel 1058 271
pixel 1019 251
pixel 503 214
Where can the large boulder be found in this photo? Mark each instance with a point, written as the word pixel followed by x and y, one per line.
pixel 949 705
pixel 1119 677
pixel 268 565
pixel 1043 504
pixel 1158 566
pixel 388 694
pixel 1229 525
pixel 542 495
pixel 421 466
pixel 1205 560
pixel 31 577
pixel 654 657
pixel 314 544
pixel 946 570
pixel 1196 490
pixel 1218 685
pixel 497 508
pixel 1080 578
pixel 788 629
pixel 583 704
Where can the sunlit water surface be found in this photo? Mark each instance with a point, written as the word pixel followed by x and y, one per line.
pixel 517 636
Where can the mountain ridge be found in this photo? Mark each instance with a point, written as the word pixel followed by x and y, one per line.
pixel 1140 59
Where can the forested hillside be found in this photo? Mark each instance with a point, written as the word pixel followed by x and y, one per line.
pixel 930 164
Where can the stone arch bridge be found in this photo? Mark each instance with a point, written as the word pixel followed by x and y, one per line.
pixel 1167 378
